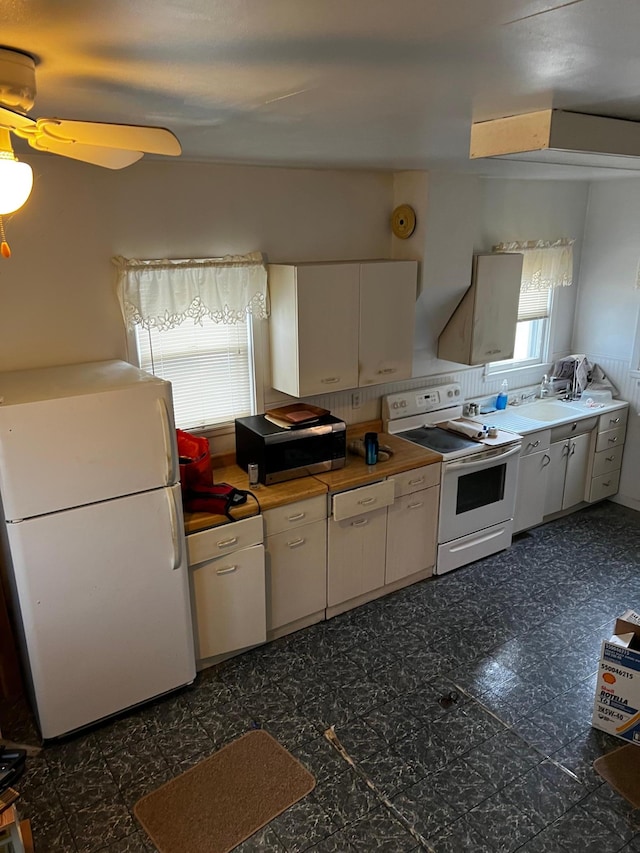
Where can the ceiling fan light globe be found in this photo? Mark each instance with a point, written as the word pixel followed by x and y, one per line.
pixel 16 182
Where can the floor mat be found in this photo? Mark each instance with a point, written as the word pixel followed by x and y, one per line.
pixel 224 799
pixel 621 769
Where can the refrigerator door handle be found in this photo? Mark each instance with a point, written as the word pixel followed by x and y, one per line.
pixel 175 529
pixel 172 471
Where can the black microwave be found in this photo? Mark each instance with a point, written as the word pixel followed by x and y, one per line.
pixel 284 454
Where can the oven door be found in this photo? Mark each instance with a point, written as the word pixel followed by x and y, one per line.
pixel 478 491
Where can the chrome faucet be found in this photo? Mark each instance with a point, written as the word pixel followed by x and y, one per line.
pixel 527 395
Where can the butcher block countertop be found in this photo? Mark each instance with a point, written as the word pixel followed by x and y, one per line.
pixel 356 472
pixel 269 497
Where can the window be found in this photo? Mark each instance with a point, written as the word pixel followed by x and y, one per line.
pixel 534 310
pixel 195 323
pixel 545 267
pixel 209 366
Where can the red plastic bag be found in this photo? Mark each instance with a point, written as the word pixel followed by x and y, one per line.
pixel 195 461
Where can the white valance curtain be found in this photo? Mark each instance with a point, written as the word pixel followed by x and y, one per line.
pixel 162 294
pixel 546 264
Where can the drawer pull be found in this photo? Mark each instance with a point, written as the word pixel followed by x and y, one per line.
pixel 415 506
pixel 546 459
pixel 225 543
pixel 609 458
pixel 613 440
pixel 367 501
pixel 296 543
pixel 416 482
pixel 226 571
pixel 330 380
pixel 607 484
pixel 360 522
pixel 533 443
pixel 614 420
pixel 388 370
pixel 296 517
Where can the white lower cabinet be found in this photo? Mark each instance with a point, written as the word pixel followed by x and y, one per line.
pixel 227 570
pixel 604 475
pixel 394 539
pixel 533 481
pixel 296 562
pixel 412 529
pixel 356 557
pixel 567 472
pixel 412 523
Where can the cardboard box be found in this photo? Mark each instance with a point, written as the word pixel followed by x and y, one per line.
pixel 617 703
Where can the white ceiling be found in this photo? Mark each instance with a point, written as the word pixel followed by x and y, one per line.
pixel 391 84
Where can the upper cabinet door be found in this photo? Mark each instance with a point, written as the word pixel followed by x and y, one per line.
pixel 497 282
pixel 314 323
pixel 483 326
pixel 387 314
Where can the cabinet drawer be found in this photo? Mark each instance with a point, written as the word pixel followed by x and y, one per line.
pixel 359 501
pixel 611 438
pixel 613 420
pixel 604 486
pixel 416 479
pixel 229 602
pixel 535 442
pixel 212 543
pixel 293 515
pixel 296 574
pixel 573 428
pixel 607 460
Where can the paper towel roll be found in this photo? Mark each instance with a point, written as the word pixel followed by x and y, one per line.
pixel 469 430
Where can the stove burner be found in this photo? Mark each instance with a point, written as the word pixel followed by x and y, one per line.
pixel 439 440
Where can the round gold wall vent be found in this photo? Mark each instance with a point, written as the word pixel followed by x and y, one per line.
pixel 403 221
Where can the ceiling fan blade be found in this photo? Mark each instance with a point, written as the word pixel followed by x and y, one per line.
pixel 150 140
pixel 110 158
pixel 14 121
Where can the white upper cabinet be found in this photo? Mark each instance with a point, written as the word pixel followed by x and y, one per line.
pixel 483 326
pixel 341 325
pixel 387 312
pixel 314 311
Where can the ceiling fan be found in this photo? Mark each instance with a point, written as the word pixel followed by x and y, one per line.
pixel 113 146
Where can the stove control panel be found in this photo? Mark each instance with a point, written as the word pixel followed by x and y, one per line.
pixel 419 401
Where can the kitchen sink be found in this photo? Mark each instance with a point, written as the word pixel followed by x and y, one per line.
pixel 546 411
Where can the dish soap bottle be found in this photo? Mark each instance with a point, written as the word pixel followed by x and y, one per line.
pixel 503 397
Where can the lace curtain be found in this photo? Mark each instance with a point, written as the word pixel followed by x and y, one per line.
pixel 162 294
pixel 546 264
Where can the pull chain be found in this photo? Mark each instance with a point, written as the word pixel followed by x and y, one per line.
pixel 5 250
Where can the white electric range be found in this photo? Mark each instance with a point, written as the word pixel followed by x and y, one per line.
pixel 479 475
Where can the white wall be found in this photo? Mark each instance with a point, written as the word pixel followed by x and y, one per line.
pixel 609 305
pixel 57 297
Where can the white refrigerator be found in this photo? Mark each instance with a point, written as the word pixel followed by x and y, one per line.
pixel 94 539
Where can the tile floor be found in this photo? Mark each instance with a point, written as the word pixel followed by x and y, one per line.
pixel 506 767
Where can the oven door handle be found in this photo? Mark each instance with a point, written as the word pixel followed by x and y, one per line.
pixel 474 462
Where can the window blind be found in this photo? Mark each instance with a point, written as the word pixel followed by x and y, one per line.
pixel 208 365
pixel 533 305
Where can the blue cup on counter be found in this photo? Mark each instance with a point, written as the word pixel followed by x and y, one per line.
pixel 371 448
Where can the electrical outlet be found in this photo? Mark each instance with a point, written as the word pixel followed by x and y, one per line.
pixel 355 400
